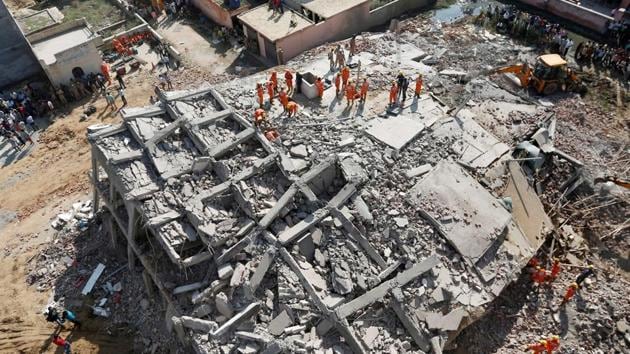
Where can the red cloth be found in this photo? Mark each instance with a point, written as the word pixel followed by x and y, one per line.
pixel 59 341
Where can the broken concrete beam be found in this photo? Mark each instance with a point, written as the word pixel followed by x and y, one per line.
pixel 253 337
pixel 409 322
pixel 377 293
pixel 196 259
pixel 305 283
pixel 212 117
pixel 125 156
pixel 389 270
pixel 318 169
pixel 163 133
pixel 308 192
pixel 225 271
pixel 136 112
pixel 418 171
pixel 363 209
pixel 568 157
pixel 240 317
pixel 163 219
pixel 224 147
pixel 262 269
pixel 197 324
pixel 436 345
pixel 342 197
pixel 298 229
pixel 271 215
pixel 227 255
pixel 189 287
pixel 348 334
pixel 356 234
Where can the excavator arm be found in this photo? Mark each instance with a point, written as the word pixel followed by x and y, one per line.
pixel 522 71
pixel 618 181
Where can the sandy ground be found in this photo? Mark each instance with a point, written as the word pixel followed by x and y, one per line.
pixel 36 188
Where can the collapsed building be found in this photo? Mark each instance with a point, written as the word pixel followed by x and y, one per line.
pixel 254 249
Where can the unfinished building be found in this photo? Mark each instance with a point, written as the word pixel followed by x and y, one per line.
pixel 255 251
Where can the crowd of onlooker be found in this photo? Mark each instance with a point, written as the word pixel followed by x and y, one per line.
pixel 614 55
pixel 18 110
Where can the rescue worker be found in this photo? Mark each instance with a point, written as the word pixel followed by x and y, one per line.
pixel 292 108
pixel 539 275
pixel 393 93
pixel 53 316
pixel 331 59
pixel 320 87
pixel 261 94
pixel 585 273
pixel 364 89
pixel 284 99
pixel 537 348
pixel 401 82
pixel 274 80
pixel 350 93
pixel 270 91
pixel 345 76
pixel 555 270
pixel 260 116
pixel 272 134
pixel 337 84
pixel 552 344
pixel 404 88
pixel 419 89
pixel 105 72
pixel 568 295
pixel 288 77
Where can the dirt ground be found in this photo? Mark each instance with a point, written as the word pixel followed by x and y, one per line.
pixel 38 187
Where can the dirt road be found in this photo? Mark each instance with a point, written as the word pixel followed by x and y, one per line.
pixel 35 189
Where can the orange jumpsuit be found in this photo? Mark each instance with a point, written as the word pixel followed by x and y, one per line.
pixel 272 135
pixel 552 344
pixel 337 83
pixel 105 72
pixel 320 88
pixel 350 93
pixel 418 86
pixel 538 348
pixel 393 93
pixel 292 107
pixel 568 295
pixel 539 275
pixel 288 77
pixel 259 116
pixel 284 99
pixel 261 94
pixel 345 75
pixel 364 90
pixel 555 269
pixel 270 91
pixel 274 80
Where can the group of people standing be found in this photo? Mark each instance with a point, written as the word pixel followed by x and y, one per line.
pixel 399 88
pixel 17 116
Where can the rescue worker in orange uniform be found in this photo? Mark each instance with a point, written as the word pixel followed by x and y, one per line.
pixel 320 87
pixel 261 94
pixel 284 99
pixel 288 77
pixel 259 116
pixel 345 76
pixel 292 107
pixel 568 295
pixel 337 84
pixel 538 347
pixel 552 344
pixel 271 134
pixel 351 92
pixel 393 93
pixel 270 91
pixel 539 275
pixel 105 72
pixel 418 86
pixel 364 89
pixel 555 270
pixel 274 80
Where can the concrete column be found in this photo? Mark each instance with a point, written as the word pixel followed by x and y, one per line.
pixel 95 197
pixel 113 230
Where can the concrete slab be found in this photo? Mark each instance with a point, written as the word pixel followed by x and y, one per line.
pixel 396 132
pixel 467 215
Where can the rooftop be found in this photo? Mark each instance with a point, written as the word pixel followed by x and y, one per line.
pixel 274 26
pixel 330 8
pixel 47 48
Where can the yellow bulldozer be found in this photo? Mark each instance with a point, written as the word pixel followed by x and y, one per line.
pixel 550 74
